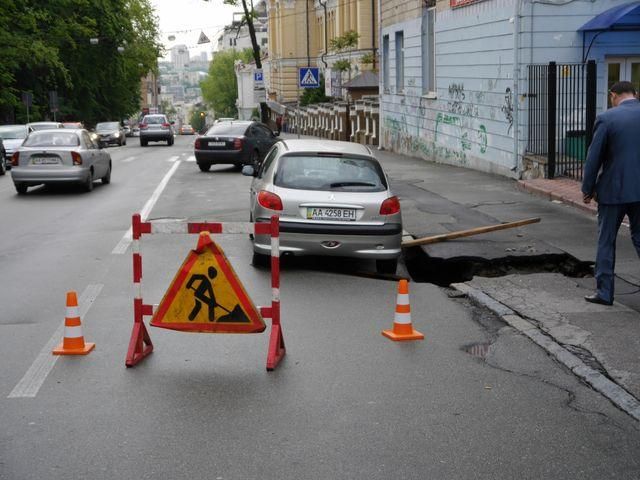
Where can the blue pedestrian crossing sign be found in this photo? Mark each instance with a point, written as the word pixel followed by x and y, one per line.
pixel 309 77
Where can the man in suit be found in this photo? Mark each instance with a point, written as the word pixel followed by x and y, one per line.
pixel 612 178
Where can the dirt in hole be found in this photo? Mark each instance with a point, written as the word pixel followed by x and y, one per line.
pixel 444 272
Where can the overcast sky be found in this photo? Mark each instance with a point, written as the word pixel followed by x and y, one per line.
pixel 178 16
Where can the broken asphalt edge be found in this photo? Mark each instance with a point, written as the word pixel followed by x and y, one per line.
pixel 611 390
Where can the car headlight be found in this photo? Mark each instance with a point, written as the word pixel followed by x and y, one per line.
pixel 117 135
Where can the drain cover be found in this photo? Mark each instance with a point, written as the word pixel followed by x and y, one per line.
pixel 478 350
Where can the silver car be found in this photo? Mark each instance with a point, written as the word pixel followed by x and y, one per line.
pixel 333 198
pixel 12 137
pixel 59 157
pixel 44 125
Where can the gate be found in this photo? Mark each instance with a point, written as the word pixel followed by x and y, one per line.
pixel 562 112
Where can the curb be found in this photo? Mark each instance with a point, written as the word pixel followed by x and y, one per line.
pixel 556 196
pixel 611 390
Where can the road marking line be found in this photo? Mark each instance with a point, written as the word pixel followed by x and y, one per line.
pixel 126 239
pixel 173 159
pixel 191 158
pixel 129 159
pixel 30 384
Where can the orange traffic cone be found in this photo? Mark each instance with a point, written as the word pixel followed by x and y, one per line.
pixel 73 341
pixel 402 328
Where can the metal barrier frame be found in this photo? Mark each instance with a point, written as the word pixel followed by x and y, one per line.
pixel 140 345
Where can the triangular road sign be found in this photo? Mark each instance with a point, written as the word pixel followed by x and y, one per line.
pixel 203 38
pixel 207 296
pixel 309 79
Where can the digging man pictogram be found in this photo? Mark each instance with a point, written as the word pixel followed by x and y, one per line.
pixel 204 293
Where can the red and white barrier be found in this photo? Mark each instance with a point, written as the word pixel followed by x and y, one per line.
pixel 140 344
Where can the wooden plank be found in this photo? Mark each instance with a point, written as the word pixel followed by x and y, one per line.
pixel 467 233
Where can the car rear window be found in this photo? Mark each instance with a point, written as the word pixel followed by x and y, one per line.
pixel 7 133
pixel 346 174
pixel 155 120
pixel 52 139
pixel 227 129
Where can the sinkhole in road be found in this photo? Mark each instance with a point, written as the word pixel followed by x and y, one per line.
pixel 443 272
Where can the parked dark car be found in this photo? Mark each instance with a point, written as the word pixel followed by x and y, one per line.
pixel 237 143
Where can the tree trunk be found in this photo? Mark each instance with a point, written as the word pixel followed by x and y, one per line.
pixel 264 114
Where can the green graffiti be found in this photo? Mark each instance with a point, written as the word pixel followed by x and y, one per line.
pixel 483 139
pixel 465 143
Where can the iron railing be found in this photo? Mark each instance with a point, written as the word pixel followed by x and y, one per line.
pixel 562 112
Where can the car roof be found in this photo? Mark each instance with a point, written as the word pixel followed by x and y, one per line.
pixel 14 125
pixel 325 146
pixel 44 123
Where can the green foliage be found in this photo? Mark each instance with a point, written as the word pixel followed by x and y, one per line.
pixel 314 95
pixel 341 65
pixel 45 46
pixel 367 58
pixel 347 41
pixel 220 88
pixel 198 119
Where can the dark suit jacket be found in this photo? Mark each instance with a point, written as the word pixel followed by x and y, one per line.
pixel 615 150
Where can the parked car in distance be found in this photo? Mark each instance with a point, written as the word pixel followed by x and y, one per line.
pixel 235 142
pixel 187 130
pixel 127 130
pixel 110 133
pixel 72 125
pixel 44 125
pixel 59 157
pixel 12 137
pixel 135 131
pixel 155 128
pixel 3 156
pixel 333 198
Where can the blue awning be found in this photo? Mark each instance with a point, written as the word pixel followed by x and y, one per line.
pixel 622 17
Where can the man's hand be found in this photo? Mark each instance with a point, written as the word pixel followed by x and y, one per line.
pixel 586 198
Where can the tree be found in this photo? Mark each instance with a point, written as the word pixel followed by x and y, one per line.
pixel 198 119
pixel 314 95
pixel 46 46
pixel 248 18
pixel 220 87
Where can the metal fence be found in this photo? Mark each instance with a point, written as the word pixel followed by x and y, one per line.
pixel 562 111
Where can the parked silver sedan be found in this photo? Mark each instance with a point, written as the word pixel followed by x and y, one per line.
pixel 59 156
pixel 333 198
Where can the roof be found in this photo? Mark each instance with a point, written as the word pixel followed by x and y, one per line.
pixel 621 17
pixel 325 146
pixel 366 79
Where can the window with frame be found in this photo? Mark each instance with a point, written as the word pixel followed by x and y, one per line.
pixel 385 62
pixel 428 51
pixel 399 61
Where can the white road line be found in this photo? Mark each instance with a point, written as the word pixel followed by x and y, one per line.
pixel 129 159
pixel 173 159
pixel 30 384
pixel 191 158
pixel 126 239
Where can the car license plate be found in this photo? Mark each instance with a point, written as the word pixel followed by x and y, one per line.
pixel 216 144
pixel 323 213
pixel 45 160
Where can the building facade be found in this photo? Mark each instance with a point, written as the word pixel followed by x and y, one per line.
pixel 458 77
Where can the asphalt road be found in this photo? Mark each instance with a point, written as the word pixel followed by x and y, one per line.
pixel 344 403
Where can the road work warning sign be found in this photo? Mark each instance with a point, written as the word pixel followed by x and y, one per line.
pixel 207 296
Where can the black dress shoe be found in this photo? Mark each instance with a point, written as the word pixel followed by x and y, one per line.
pixel 596 299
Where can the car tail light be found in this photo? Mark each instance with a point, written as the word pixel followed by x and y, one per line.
pixel 197 144
pixel 166 125
pixel 77 159
pixel 390 206
pixel 237 144
pixel 15 159
pixel 269 200
pixel 143 126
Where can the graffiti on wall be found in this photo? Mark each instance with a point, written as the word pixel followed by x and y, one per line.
pixel 507 108
pixel 458 103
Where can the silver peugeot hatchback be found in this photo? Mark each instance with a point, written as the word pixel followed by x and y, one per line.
pixel 332 198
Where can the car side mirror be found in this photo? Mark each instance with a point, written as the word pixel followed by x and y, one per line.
pixel 276 133
pixel 172 123
pixel 248 171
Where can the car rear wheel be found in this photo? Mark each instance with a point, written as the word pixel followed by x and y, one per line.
pixel 21 188
pixel 204 167
pixel 170 142
pixel 387 266
pixel 3 166
pixel 88 184
pixel 143 143
pixel 260 260
pixel 106 180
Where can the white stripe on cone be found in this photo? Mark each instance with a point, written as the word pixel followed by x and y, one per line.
pixel 73 312
pixel 73 332
pixel 402 318
pixel 403 299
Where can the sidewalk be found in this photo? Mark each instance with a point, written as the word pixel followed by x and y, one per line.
pixel 598 343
